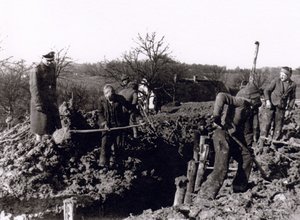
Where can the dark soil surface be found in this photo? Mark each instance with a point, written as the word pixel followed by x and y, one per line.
pixel 35 179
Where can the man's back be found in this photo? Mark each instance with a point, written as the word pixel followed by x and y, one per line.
pixel 130 93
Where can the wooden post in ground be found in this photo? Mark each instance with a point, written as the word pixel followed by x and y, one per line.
pixel 196 145
pixel 203 153
pixel 191 176
pixel 180 183
pixel 69 209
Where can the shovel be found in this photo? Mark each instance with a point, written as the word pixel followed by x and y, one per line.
pixel 65 133
pixel 263 173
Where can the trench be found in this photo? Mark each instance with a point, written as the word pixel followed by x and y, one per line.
pixel 152 189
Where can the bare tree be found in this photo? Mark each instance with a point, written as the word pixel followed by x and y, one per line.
pixel 116 68
pixel 146 63
pixel 62 61
pixel 82 97
pixel 149 59
pixel 14 88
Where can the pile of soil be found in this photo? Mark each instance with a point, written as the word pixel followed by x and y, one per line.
pixel 35 178
pixel 278 198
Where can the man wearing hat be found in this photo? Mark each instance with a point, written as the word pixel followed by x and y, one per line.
pixel 252 94
pixel 280 97
pixel 44 114
pixel 237 123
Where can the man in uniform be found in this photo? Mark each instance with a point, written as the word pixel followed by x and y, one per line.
pixel 236 120
pixel 44 114
pixel 280 97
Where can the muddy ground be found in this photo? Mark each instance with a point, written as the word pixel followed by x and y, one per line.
pixel 36 178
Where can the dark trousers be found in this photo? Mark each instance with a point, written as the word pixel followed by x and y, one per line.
pixel 275 115
pixel 225 147
pixel 111 144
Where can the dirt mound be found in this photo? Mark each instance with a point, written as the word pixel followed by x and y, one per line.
pixel 49 173
pixel 35 178
pixel 275 199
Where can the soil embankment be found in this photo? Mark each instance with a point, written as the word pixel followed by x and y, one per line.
pixel 36 178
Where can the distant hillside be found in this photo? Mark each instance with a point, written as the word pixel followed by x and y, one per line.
pixel 92 82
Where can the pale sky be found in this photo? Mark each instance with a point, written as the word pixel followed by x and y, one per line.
pixel 219 32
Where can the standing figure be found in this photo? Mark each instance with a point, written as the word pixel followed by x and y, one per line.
pixel 111 115
pixel 280 97
pixel 233 127
pixel 130 93
pixel 251 91
pixel 44 114
pixel 157 101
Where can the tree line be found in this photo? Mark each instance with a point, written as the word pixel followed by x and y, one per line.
pixel 150 59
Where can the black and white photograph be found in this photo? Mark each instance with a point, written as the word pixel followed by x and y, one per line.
pixel 149 110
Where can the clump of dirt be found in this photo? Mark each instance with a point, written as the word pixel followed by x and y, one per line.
pixel 46 173
pixel 278 198
pixel 36 178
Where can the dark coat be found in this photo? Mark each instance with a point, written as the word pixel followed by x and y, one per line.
pixel 112 113
pixel 237 111
pixel 130 94
pixel 43 94
pixel 278 97
pixel 226 147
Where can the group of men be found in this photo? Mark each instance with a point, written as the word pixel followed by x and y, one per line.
pixel 115 110
pixel 233 136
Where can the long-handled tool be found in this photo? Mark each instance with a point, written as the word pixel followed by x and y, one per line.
pixel 255 57
pixel 290 143
pixel 64 133
pixel 147 117
pixel 106 129
pixel 253 77
pixel 263 173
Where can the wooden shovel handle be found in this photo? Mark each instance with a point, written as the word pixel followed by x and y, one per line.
pixel 105 129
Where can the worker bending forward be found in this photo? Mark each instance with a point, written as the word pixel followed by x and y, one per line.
pixel 237 114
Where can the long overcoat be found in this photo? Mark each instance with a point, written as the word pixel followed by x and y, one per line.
pixel 43 95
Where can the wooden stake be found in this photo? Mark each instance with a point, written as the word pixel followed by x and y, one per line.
pixel 69 209
pixel 204 150
pixel 196 145
pixel 191 175
pixel 181 183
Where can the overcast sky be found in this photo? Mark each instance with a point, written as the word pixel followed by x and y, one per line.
pixel 219 32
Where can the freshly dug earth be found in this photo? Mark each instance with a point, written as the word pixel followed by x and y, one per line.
pixel 275 199
pixel 36 178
